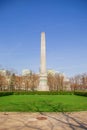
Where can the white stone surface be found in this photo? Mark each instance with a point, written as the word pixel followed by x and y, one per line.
pixel 43 73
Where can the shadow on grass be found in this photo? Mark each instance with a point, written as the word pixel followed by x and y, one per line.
pixel 45 106
pixel 41 106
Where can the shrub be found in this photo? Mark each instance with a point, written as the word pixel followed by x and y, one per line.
pixel 81 93
pixel 35 93
pixel 43 93
pixel 5 93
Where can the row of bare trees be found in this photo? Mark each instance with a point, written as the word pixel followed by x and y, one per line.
pixel 14 82
pixel 57 82
pixel 79 82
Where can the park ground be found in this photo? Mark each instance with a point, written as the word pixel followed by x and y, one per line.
pixel 43 121
pixel 43 112
pixel 43 103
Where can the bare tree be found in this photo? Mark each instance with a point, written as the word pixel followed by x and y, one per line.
pixel 2 82
pixel 79 82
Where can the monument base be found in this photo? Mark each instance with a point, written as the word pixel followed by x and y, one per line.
pixel 43 84
pixel 43 88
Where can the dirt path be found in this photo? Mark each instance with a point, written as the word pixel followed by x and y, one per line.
pixel 43 121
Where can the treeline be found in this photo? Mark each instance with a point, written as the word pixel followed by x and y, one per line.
pixel 14 82
pixel 79 82
pixel 57 82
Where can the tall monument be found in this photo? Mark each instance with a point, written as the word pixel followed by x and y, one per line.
pixel 43 73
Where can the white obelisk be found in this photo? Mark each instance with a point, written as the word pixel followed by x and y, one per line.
pixel 43 73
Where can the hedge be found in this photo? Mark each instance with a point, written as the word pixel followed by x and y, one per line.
pixel 43 93
pixel 81 93
pixel 36 93
pixel 5 93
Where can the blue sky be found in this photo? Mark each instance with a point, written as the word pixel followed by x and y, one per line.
pixel 65 24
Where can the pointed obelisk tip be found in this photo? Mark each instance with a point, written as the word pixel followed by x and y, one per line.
pixel 42 32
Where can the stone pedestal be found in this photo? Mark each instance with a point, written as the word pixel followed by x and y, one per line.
pixel 43 83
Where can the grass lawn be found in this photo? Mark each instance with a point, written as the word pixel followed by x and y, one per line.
pixel 43 103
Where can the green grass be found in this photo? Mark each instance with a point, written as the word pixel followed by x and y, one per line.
pixel 43 103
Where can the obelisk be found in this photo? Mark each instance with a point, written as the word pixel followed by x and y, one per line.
pixel 43 73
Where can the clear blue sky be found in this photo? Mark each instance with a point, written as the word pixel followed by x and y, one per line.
pixel 65 24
